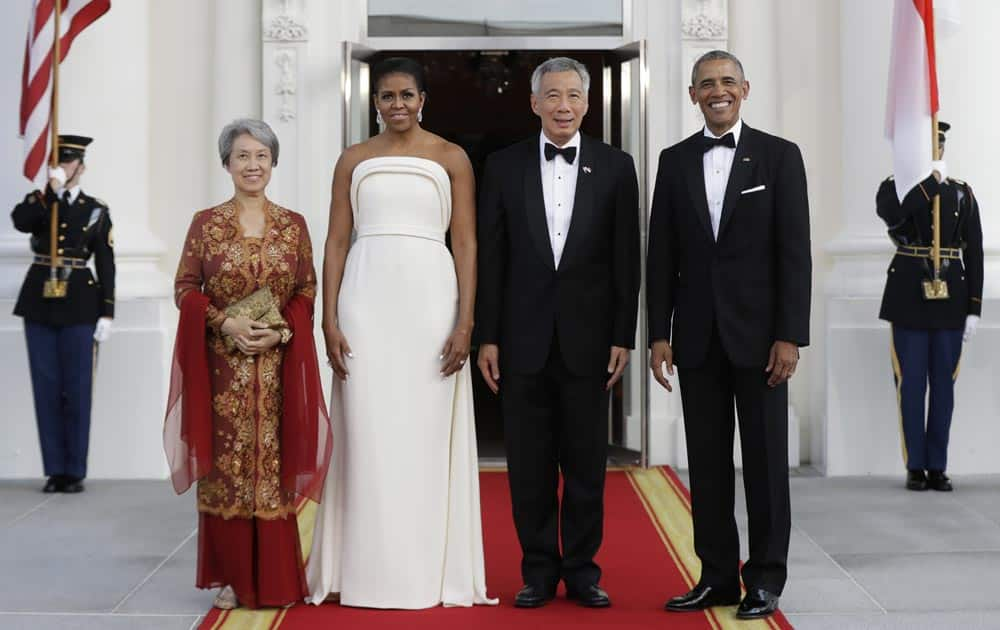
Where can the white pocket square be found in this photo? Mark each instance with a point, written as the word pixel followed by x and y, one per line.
pixel 752 190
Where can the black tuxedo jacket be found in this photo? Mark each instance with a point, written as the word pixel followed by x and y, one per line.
pixel 591 300
pixel 753 283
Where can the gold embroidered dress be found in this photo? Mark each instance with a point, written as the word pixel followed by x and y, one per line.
pixel 247 530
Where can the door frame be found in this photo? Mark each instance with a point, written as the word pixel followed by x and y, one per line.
pixel 623 50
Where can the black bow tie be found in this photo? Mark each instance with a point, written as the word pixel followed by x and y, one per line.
pixel 65 197
pixel 728 140
pixel 551 151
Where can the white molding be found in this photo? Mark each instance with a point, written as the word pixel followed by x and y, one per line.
pixel 281 23
pixel 703 20
pixel 286 58
pixel 284 51
pixel 704 26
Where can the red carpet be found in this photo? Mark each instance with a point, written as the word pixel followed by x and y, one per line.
pixel 646 557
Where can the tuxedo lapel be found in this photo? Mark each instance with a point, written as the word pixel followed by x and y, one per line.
pixel 583 199
pixel 534 204
pixel 694 176
pixel 739 175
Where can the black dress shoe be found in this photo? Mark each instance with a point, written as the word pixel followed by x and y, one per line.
pixel 702 597
pixel 757 604
pixel 916 480
pixel 592 597
pixel 73 485
pixel 56 483
pixel 533 597
pixel 937 480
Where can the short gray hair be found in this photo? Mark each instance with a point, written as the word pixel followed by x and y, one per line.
pixel 256 129
pixel 715 55
pixel 559 64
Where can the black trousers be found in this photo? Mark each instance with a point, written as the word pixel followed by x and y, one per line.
pixel 555 420
pixel 707 394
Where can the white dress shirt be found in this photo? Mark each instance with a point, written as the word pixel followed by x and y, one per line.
pixel 74 192
pixel 718 162
pixel 559 192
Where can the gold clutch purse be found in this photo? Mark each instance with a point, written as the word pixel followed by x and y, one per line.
pixel 259 306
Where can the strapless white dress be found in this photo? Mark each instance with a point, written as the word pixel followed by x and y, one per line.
pixel 400 523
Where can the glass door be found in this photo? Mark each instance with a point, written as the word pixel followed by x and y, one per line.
pixel 624 100
pixel 355 87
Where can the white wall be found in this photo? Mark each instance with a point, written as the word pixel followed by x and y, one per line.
pixel 154 82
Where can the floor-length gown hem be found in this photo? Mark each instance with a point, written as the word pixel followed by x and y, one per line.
pixel 400 525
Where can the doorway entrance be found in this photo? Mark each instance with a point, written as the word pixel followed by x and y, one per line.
pixel 478 99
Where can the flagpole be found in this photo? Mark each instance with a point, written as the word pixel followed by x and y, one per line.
pixel 936 208
pixel 936 288
pixel 54 287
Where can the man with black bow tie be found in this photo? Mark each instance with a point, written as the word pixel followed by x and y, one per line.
pixel 728 282
pixel 555 318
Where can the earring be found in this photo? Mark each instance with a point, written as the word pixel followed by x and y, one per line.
pixel 378 118
pixel 420 115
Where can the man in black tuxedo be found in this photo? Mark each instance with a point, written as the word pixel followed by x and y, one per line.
pixel 729 264
pixel 556 315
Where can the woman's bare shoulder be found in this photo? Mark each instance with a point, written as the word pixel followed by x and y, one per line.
pixel 450 155
pixel 356 154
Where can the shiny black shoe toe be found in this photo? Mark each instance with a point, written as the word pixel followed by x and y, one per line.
pixel 702 597
pixel 55 483
pixel 757 604
pixel 72 485
pixel 937 480
pixel 592 597
pixel 916 480
pixel 532 597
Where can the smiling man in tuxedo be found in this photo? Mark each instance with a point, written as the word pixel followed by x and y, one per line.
pixel 729 267
pixel 555 316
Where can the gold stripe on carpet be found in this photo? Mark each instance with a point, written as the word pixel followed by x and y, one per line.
pixel 671 509
pixel 667 511
pixel 307 525
pixel 221 619
pixel 682 493
pixel 247 619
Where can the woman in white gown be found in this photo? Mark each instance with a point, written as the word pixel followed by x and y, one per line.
pixel 400 525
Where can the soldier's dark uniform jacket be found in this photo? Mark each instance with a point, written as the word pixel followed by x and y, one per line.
pixel 84 229
pixel 910 227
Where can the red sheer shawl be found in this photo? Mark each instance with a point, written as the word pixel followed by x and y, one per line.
pixel 306 438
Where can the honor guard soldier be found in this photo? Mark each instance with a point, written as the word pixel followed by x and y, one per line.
pixel 928 327
pixel 65 310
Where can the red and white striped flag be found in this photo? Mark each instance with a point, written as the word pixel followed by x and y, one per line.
pixel 36 80
pixel 913 93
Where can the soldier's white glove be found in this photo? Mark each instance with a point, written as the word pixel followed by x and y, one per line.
pixel 940 167
pixel 103 330
pixel 971 322
pixel 57 177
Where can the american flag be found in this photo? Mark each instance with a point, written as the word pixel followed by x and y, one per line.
pixel 36 80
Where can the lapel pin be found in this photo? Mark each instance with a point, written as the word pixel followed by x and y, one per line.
pixel 586 169
pixel 746 159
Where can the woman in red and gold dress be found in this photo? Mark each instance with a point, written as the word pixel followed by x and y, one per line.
pixel 248 422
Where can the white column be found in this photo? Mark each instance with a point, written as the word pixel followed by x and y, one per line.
pixel 285 37
pixel 236 77
pixel 753 37
pixel 19 448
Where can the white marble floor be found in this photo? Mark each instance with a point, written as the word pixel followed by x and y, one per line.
pixel 865 553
